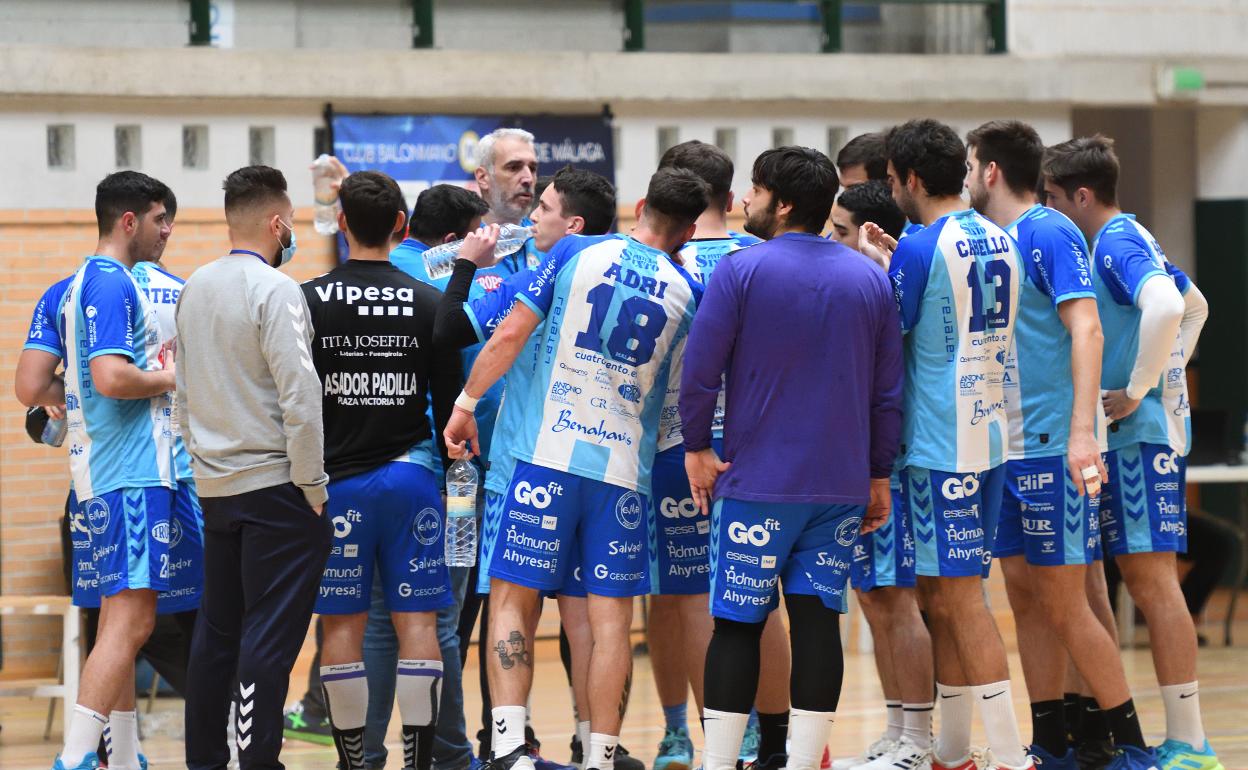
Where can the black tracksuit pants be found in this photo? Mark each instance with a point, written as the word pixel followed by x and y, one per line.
pixel 264 552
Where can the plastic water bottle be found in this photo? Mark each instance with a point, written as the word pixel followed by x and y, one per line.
pixel 461 515
pixel 54 431
pixel 440 260
pixel 325 208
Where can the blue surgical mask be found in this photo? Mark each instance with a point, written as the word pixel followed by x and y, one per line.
pixel 288 252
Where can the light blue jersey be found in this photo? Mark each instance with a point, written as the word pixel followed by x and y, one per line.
pixel 956 283
pixel 162 291
pixel 1038 381
pixel 700 257
pixel 614 312
pixel 1126 256
pixel 45 325
pixel 114 443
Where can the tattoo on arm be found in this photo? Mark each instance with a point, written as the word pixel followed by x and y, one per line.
pixel 513 650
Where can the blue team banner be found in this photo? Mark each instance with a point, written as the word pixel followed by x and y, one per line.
pixel 423 150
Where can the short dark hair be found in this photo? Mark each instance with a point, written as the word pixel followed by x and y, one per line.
pixel 675 198
pixel 124 191
pixel 866 150
pixel 587 195
pixel 370 200
pixel 931 150
pixel 171 205
pixel 707 161
pixel 802 177
pixel 873 202
pixel 1089 161
pixel 1016 149
pixel 252 186
pixel 443 209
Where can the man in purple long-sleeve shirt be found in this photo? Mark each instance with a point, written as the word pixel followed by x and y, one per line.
pixel 808 333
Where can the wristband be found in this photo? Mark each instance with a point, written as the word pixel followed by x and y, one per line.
pixel 466 402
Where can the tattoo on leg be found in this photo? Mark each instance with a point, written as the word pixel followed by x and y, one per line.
pixel 513 650
pixel 628 689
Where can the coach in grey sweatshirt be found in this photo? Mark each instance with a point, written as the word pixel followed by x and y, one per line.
pixel 249 405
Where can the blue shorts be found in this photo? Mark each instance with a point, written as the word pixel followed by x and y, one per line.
pixel 755 546
pixel 953 517
pixel 392 517
pixel 130 538
pixel 885 558
pixel 1043 516
pixel 554 521
pixel 680 536
pixel 1143 507
pixel 185 538
pixel 85 587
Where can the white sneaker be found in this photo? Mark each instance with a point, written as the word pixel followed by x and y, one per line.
pixel 882 747
pixel 992 763
pixel 906 755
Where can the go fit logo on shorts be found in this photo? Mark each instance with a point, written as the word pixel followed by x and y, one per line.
pixel 756 534
pixel 538 497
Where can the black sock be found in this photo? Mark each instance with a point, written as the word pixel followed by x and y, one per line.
pixel 1048 727
pixel 418 747
pixel 772 731
pixel 1073 710
pixel 1125 725
pixel 1093 726
pixel 350 745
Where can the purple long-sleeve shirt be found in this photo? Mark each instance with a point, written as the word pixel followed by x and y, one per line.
pixel 808 332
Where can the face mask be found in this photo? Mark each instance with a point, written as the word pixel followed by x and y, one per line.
pixel 288 252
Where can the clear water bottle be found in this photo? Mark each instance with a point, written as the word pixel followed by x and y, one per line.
pixel 54 431
pixel 461 514
pixel 325 204
pixel 440 260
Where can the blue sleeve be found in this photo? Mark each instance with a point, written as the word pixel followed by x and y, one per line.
pixel 107 302
pixel 486 312
pixel 1064 256
pixel 45 332
pixel 1125 263
pixel 908 272
pixel 539 291
pixel 1180 278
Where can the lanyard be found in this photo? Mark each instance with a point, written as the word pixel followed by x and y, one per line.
pixel 251 253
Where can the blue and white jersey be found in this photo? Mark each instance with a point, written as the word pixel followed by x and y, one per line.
pixel 700 257
pixel 113 443
pixel 1126 256
pixel 45 323
pixel 614 311
pixel 1039 394
pixel 162 291
pixel 956 283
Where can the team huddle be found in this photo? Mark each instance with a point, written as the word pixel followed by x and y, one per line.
pixel 705 417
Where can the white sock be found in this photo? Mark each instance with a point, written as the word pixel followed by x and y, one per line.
pixel 508 729
pixel 601 751
pixel 346 695
pixel 1183 714
pixel 956 708
pixel 918 720
pixel 418 689
pixel 724 733
pixel 895 722
pixel 582 732
pixel 83 736
pixel 123 749
pixel 996 708
pixel 808 735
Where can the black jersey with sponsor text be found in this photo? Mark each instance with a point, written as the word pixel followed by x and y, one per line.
pixel 373 349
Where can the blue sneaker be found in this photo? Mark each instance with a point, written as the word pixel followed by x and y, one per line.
pixel 89 762
pixel 749 745
pixel 474 763
pixel 675 750
pixel 1132 758
pixel 1177 755
pixel 1046 761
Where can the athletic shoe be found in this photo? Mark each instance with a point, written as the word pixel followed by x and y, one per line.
pixel 474 763
pixel 905 755
pixel 142 762
pixel 675 750
pixel 749 746
pixel 967 763
pixel 302 725
pixel 1095 755
pixel 626 761
pixel 774 762
pixel 1132 758
pixel 1176 755
pixel 1046 761
pixel 518 759
pixel 883 745
pixel 578 753
pixel 90 762
pixel 540 762
pixel 991 763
